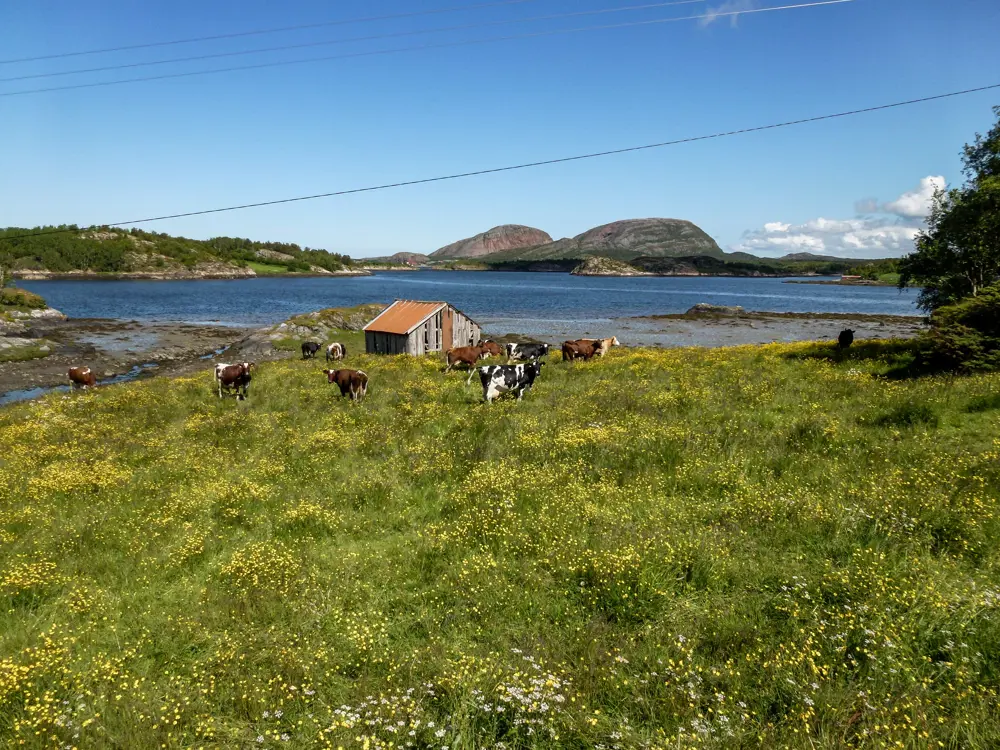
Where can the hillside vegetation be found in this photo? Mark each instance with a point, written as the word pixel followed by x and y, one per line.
pixel 751 547
pixel 134 250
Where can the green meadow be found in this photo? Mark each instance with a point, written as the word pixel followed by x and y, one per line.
pixel 772 546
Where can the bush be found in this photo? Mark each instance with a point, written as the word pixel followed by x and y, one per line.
pixel 966 336
pixel 13 297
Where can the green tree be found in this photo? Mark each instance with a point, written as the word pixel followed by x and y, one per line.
pixel 958 255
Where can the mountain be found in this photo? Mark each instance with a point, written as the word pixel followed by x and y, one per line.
pixel 624 240
pixel 497 239
pixel 809 256
pixel 398 259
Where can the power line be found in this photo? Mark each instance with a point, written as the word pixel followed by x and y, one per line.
pixel 259 32
pixel 440 45
pixel 393 35
pixel 528 165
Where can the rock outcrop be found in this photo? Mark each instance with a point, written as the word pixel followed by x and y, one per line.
pixel 598 266
pixel 320 326
pixel 497 239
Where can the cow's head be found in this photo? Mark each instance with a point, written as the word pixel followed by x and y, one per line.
pixel 330 375
pixel 614 342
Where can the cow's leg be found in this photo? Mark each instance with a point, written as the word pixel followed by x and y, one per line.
pixel 472 371
pixel 220 387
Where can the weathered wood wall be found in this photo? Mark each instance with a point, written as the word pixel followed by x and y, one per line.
pixel 425 338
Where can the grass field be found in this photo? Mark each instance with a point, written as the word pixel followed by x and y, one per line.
pixel 750 547
pixel 267 269
pixel 24 353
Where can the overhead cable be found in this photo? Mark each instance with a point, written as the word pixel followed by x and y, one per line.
pixel 528 165
pixel 440 45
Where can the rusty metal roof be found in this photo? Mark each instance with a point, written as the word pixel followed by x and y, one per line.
pixel 403 315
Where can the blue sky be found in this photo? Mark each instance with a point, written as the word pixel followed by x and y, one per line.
pixel 115 153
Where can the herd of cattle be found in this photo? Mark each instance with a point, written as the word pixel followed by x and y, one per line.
pixel 516 379
pixel 495 379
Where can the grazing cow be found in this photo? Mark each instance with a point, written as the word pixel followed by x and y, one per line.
pixel 309 349
pixel 465 355
pixel 82 377
pixel 516 379
pixel 492 348
pixel 608 343
pixel 581 349
pixel 351 382
pixel 845 339
pixel 526 351
pixel 335 351
pixel 235 377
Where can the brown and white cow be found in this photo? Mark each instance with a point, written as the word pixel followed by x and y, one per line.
pixel 235 377
pixel 82 377
pixel 581 349
pixel 492 348
pixel 608 343
pixel 335 351
pixel 353 383
pixel 465 355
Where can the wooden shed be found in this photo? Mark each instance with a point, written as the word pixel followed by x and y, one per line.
pixel 411 327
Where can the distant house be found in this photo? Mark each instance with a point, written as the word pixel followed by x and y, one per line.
pixel 411 327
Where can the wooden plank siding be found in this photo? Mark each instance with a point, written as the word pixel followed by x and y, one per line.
pixel 428 337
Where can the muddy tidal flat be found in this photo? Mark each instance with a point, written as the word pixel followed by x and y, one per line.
pixel 117 349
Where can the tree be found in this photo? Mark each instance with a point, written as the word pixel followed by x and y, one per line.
pixel 958 255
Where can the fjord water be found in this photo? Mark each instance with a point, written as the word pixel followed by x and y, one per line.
pixel 499 300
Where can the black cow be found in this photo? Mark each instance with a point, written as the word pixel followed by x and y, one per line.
pixel 845 339
pixel 309 349
pixel 516 379
pixel 530 352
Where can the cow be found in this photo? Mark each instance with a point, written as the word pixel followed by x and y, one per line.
pixel 608 343
pixel 845 339
pixel 350 382
pixel 530 352
pixel 492 348
pixel 516 379
pixel 465 355
pixel 309 349
pixel 581 349
pixel 236 377
pixel 335 350
pixel 82 377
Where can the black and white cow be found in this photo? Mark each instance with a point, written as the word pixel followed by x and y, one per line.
pixel 309 349
pixel 530 352
pixel 516 379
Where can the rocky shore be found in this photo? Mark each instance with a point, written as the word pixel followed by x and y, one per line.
pixel 119 348
pixel 212 271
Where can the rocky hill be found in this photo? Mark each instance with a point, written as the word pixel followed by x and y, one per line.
pixel 498 239
pixel 598 266
pixel 625 240
pixel 44 252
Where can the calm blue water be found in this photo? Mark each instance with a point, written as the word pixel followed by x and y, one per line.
pixel 511 301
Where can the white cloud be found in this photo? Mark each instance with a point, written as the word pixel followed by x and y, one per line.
pixel 916 204
pixel 730 9
pixel 879 231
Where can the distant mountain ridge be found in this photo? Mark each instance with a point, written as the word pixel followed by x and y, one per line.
pixel 505 237
pixel 620 240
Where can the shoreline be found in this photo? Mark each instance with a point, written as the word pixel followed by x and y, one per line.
pixel 127 349
pixel 155 276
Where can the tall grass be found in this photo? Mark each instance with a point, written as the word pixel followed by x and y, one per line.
pixel 683 548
